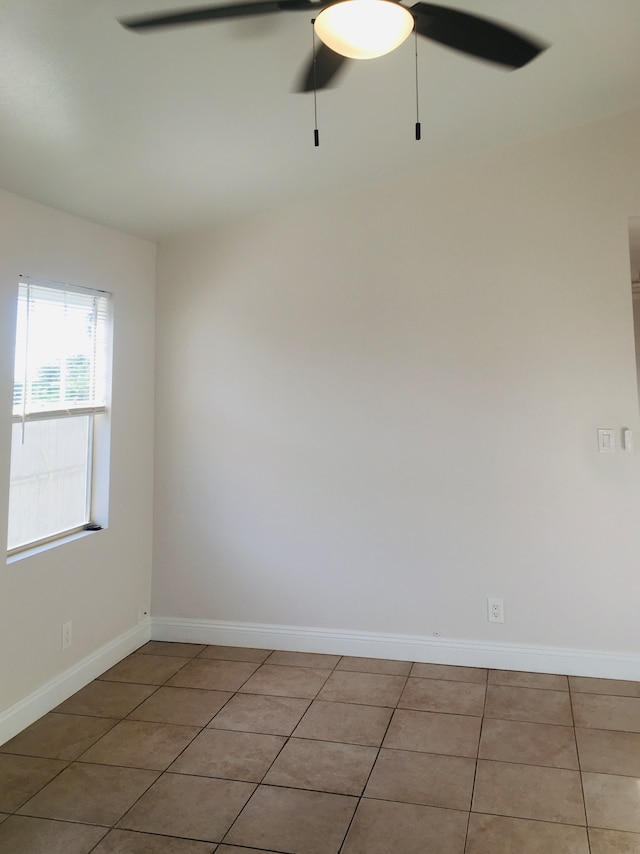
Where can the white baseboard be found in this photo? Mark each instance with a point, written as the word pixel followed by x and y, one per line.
pixel 23 713
pixel 501 656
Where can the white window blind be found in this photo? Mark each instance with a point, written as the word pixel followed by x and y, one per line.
pixel 62 350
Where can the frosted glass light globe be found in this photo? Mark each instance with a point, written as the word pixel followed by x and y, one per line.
pixel 363 29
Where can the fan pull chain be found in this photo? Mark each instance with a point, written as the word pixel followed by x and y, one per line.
pixel 316 133
pixel 418 128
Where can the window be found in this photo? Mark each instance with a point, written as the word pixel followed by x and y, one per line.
pixel 60 410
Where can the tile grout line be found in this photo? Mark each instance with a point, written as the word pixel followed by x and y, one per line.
pixel 201 729
pixel 475 771
pixel 286 741
pixel 373 765
pixel 69 762
pixel 575 739
pixel 161 772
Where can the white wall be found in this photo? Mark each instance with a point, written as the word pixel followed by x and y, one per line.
pixel 375 411
pixel 100 581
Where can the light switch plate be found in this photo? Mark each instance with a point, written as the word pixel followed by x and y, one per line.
pixel 606 441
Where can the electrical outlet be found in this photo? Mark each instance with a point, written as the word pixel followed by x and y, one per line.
pixel 495 610
pixel 66 635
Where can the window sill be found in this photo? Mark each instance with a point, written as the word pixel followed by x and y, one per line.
pixel 52 544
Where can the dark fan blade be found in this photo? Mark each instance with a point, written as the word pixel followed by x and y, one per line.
pixel 476 36
pixel 321 73
pixel 213 13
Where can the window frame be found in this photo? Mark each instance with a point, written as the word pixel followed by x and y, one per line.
pixel 98 427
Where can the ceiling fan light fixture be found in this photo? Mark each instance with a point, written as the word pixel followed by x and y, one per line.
pixel 364 29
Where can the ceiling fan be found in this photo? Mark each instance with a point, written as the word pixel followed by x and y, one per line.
pixel 470 34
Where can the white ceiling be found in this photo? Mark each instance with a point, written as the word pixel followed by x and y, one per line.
pixel 169 131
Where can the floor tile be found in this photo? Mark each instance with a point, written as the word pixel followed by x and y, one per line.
pixel 130 842
pixel 57 736
pixel 145 669
pixel 434 732
pixel 613 841
pixel 186 650
pixel 344 722
pixel 304 659
pixel 494 834
pixel 231 755
pixel 528 744
pixel 261 713
pixel 381 827
pixel 422 778
pixel 280 681
pixel 106 699
pixel 604 712
pixel 372 689
pixel 96 794
pixel 235 653
pixel 22 835
pixel 614 687
pixel 293 821
pixel 201 808
pixel 141 744
pixel 527 791
pixel 22 776
pixel 374 665
pixel 185 706
pixel 612 801
pixel 528 704
pixel 609 752
pixel 269 753
pixel 323 766
pixel 449 672
pixel 213 674
pixel 437 695
pixel 517 679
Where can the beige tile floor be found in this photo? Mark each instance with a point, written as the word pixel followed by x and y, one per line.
pixel 191 749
